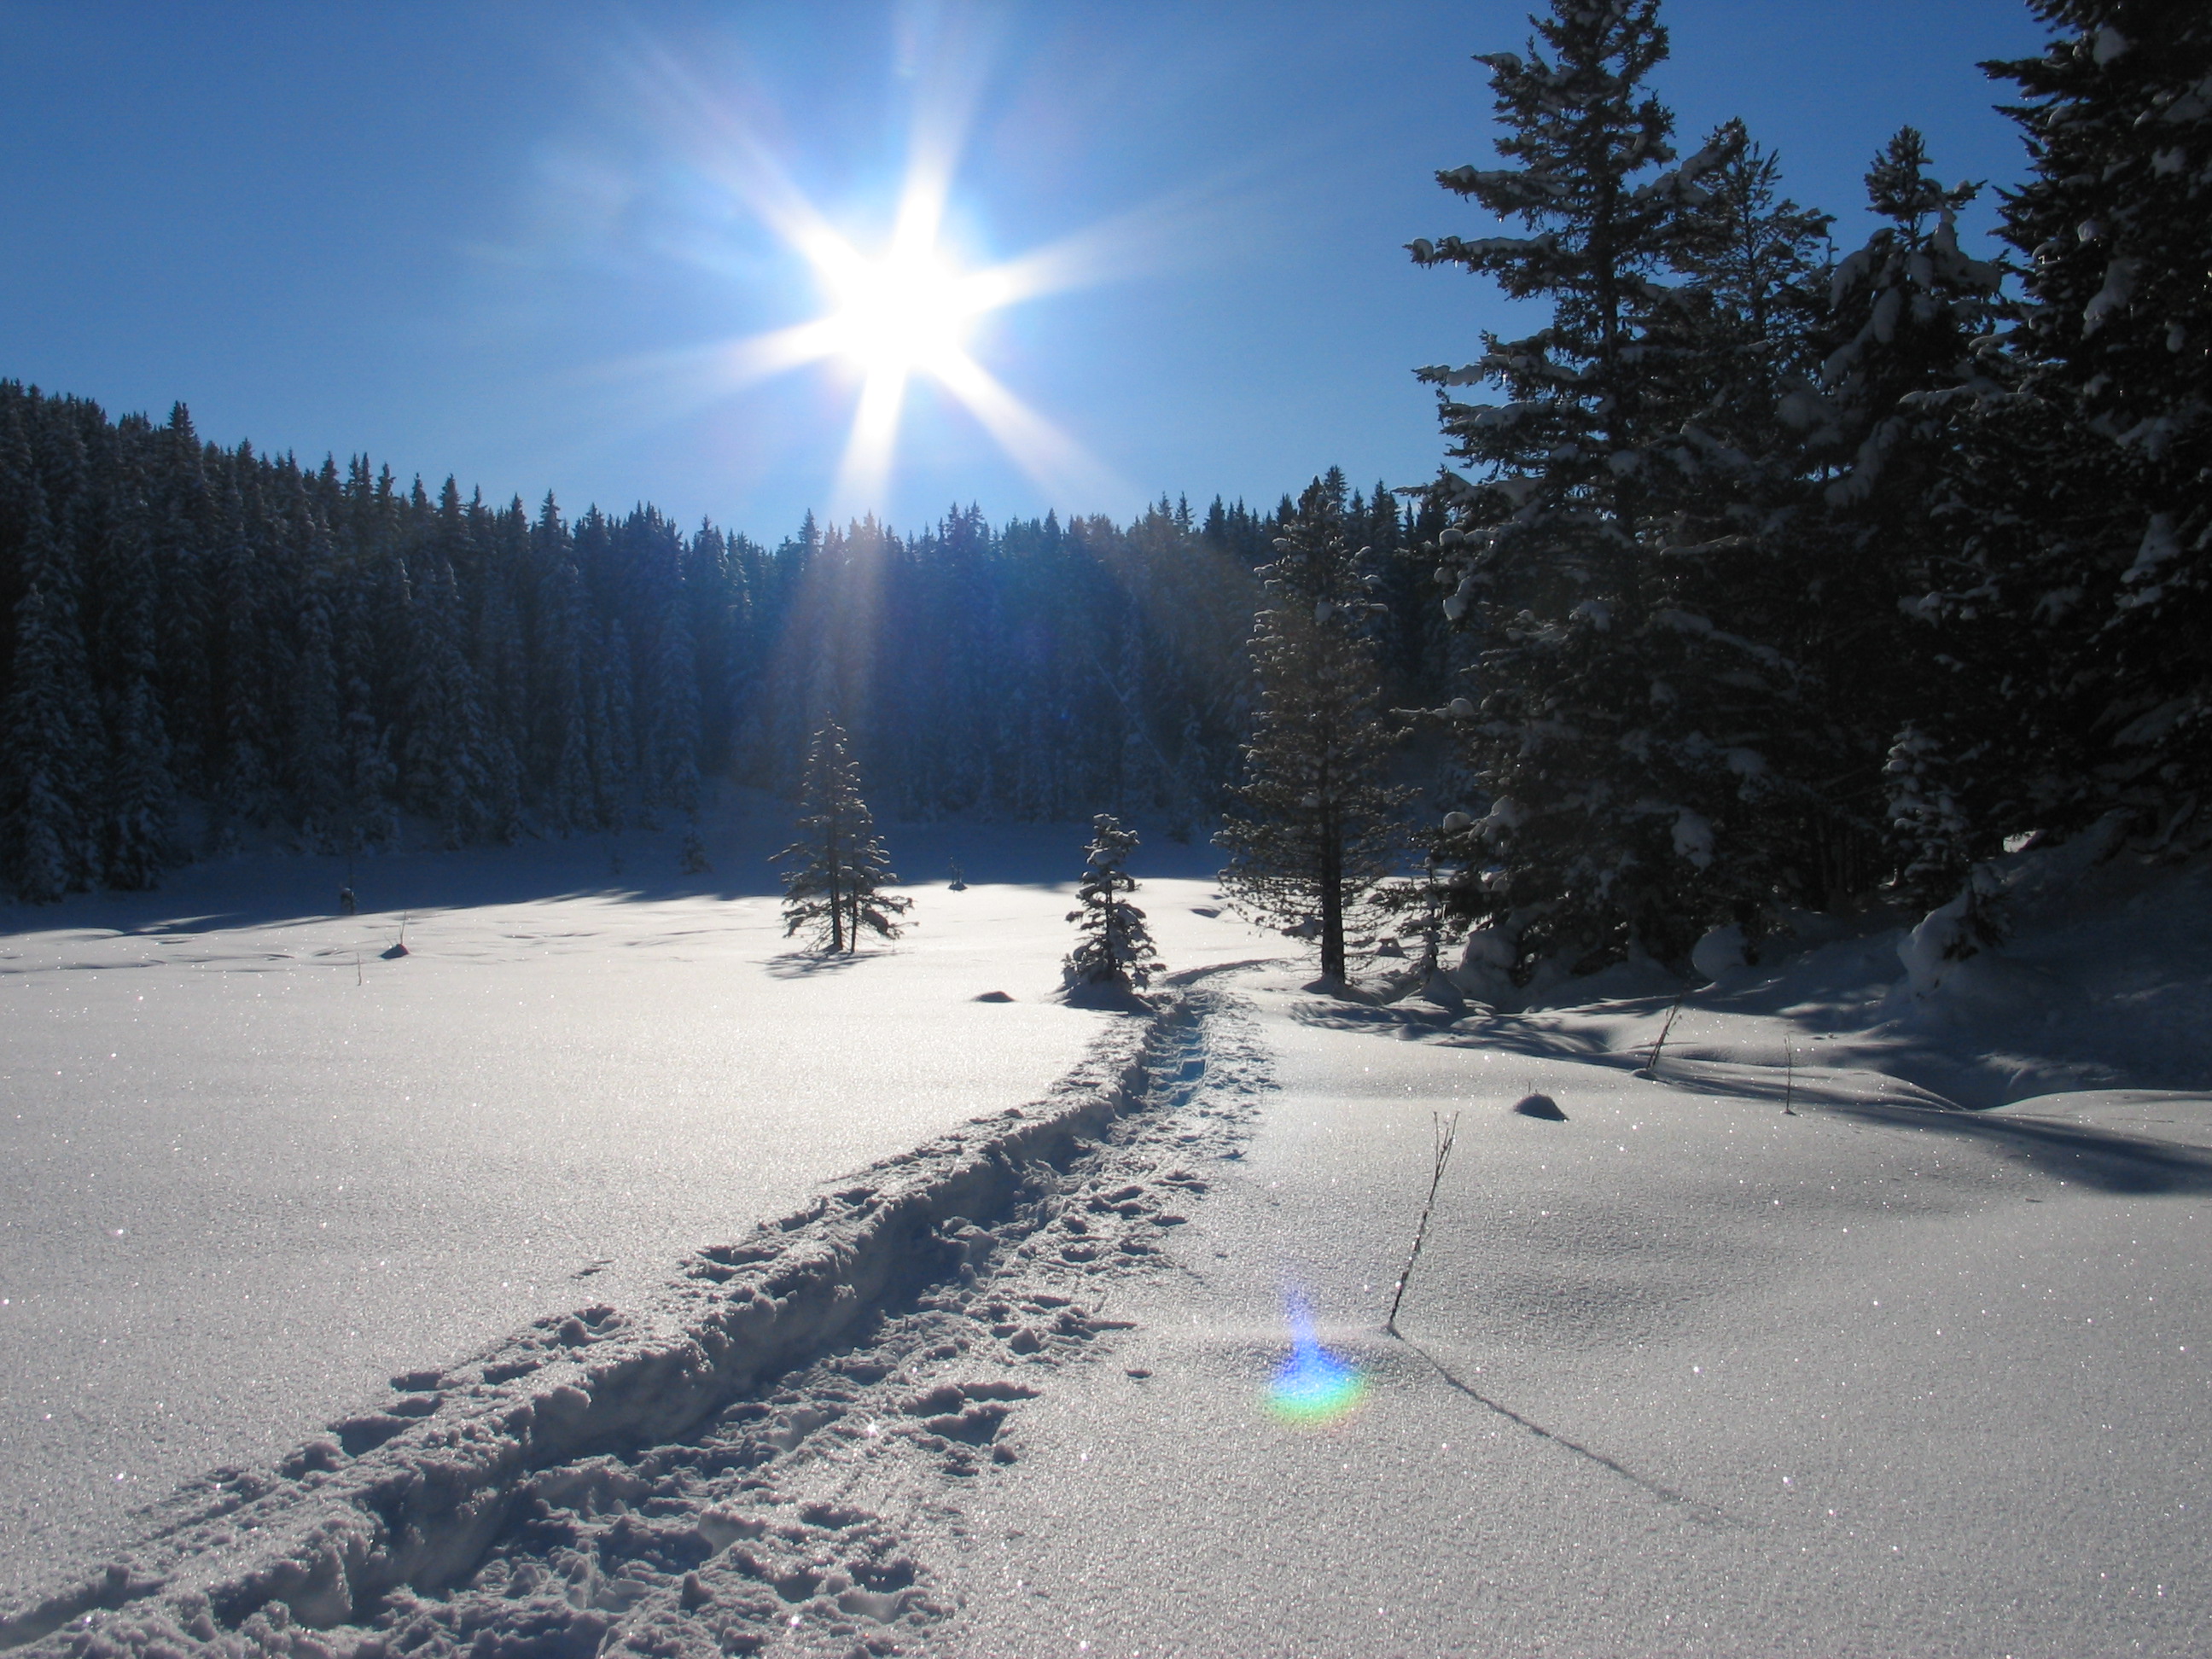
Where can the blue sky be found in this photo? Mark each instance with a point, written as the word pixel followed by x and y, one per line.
pixel 514 242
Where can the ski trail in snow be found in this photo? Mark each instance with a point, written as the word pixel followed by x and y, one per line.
pixel 743 1464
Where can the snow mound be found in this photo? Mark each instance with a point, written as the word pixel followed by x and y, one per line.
pixel 1719 953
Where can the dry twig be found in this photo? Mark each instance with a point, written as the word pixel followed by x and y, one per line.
pixel 1445 1135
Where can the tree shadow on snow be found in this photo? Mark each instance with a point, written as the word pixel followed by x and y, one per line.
pixel 807 964
pixel 1426 1020
pixel 2105 1160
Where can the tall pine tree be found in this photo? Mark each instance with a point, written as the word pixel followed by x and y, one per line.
pixel 1590 731
pixel 1315 825
pixel 2109 573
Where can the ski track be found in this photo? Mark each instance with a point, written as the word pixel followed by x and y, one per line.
pixel 739 1465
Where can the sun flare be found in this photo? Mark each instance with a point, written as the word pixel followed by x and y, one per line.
pixel 904 312
pixel 893 312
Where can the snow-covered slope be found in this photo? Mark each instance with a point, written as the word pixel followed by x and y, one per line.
pixel 1771 1348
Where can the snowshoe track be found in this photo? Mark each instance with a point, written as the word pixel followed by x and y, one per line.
pixel 737 1466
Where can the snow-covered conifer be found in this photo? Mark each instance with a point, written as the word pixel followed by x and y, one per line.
pixel 139 796
pixel 50 748
pixel 41 808
pixel 1115 949
pixel 838 865
pixel 443 766
pixel 1317 822
pixel 1589 734
pixel 1926 820
pixel 2111 573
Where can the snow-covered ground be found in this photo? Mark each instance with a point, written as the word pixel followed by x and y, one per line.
pixel 251 1169
pixel 1778 1349
pixel 1681 1374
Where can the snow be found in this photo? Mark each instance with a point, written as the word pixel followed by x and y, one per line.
pixel 1719 952
pixel 1869 1320
pixel 1683 1374
pixel 254 1169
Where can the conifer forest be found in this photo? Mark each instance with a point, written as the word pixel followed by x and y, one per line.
pixel 1763 577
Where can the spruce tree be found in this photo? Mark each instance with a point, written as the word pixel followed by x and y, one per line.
pixel 241 727
pixel 1589 732
pixel 318 753
pixel 139 797
pixel 41 810
pixel 1735 704
pixel 1115 949
pixel 1908 336
pixel 838 865
pixel 2109 573
pixel 1317 823
pixel 50 747
pixel 443 767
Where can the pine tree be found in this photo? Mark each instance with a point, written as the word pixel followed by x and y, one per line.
pixel 1926 819
pixel 1908 337
pixel 1320 822
pixel 316 745
pixel 1736 699
pixel 671 735
pixel 41 815
pixel 443 767
pixel 1115 949
pixel 240 745
pixel 51 745
pixel 838 865
pixel 2108 572
pixel 1582 736
pixel 139 799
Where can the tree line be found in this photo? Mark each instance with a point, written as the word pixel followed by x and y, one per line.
pixel 205 641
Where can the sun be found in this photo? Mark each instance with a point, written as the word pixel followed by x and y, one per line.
pixel 907 311
pixel 892 313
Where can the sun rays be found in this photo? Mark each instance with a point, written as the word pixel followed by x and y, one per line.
pixel 893 312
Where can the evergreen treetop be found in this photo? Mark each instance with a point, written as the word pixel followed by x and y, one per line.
pixel 2114 345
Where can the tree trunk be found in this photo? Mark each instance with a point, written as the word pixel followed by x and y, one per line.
pixel 1332 900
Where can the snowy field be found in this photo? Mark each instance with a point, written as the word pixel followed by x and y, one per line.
pixel 1875 1323
pixel 254 1169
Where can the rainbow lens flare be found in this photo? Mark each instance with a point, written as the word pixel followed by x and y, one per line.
pixel 1313 1385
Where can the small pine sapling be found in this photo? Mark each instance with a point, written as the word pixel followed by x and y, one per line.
pixel 1426 905
pixel 1115 949
pixel 839 867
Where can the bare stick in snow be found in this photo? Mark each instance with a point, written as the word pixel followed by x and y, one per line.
pixel 1651 1065
pixel 1788 1078
pixel 1445 1135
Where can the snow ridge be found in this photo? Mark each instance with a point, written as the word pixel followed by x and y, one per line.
pixel 500 1499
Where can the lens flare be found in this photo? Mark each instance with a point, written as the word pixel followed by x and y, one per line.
pixel 1312 1385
